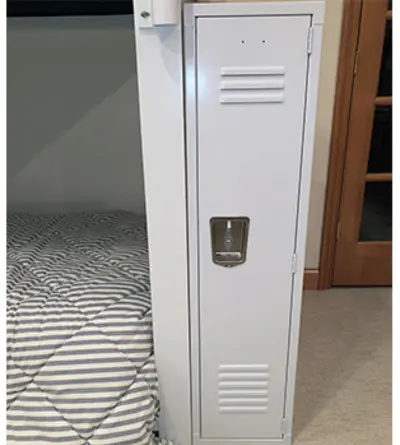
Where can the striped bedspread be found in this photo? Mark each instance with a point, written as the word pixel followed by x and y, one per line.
pixel 79 331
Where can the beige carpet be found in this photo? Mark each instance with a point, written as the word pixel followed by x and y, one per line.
pixel 344 374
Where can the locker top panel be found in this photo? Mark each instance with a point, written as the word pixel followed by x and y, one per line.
pixel 216 8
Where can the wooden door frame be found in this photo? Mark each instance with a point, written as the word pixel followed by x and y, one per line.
pixel 344 87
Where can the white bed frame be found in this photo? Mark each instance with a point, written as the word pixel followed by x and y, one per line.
pixel 160 80
pixel 161 94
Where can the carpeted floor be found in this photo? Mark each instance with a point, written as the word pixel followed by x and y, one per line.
pixel 343 394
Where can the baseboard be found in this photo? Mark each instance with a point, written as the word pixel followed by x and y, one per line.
pixel 311 279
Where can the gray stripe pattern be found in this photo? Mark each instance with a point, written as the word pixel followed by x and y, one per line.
pixel 80 364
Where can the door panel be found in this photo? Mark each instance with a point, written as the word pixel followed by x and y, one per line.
pixel 364 248
pixel 251 99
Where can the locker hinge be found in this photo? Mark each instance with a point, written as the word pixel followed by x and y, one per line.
pixel 283 427
pixel 294 263
pixel 338 230
pixel 355 68
pixel 310 40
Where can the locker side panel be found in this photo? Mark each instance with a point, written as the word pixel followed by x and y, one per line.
pixel 251 89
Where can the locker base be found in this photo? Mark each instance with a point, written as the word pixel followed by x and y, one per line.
pixel 285 440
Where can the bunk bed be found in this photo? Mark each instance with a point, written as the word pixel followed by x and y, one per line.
pixel 80 354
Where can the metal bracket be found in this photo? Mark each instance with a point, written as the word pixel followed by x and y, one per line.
pixel 283 427
pixel 152 13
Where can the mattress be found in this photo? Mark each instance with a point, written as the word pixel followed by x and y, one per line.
pixel 80 362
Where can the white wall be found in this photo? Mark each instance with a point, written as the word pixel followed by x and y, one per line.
pixel 73 124
pixel 323 128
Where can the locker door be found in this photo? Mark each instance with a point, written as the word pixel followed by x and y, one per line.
pixel 251 90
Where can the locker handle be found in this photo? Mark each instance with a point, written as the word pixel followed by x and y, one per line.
pixel 229 237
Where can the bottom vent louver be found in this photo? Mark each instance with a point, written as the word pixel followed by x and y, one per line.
pixel 243 389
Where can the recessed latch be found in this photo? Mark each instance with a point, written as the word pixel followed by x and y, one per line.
pixel 229 237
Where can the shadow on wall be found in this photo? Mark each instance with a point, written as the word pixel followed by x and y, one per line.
pixel 73 118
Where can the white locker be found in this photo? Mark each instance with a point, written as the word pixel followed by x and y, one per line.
pixel 251 75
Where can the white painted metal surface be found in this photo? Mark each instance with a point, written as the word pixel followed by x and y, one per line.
pixel 304 199
pixel 159 62
pixel 166 12
pixel 160 79
pixel 249 154
pixel 251 101
pixel 258 8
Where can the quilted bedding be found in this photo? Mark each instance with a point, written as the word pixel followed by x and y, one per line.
pixel 80 364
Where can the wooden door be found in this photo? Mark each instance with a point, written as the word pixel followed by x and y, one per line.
pixel 363 254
